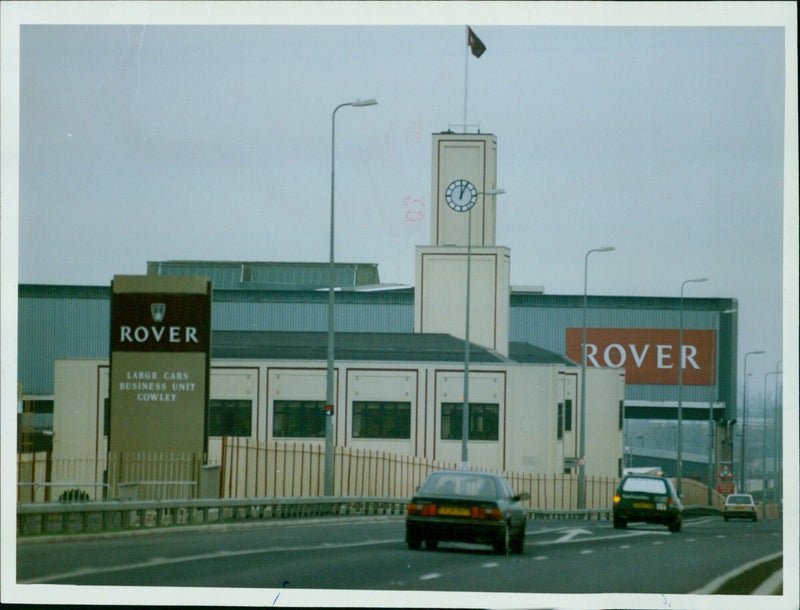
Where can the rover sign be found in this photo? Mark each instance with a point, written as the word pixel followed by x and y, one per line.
pixel 648 355
pixel 160 358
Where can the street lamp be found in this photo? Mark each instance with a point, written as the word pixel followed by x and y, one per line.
pixel 712 394
pixel 678 474
pixel 465 406
pixel 742 479
pixel 331 289
pixel 764 445
pixel 582 423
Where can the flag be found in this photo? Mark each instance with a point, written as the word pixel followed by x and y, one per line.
pixel 473 41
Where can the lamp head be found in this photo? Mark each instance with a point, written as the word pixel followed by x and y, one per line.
pixel 606 249
pixel 368 102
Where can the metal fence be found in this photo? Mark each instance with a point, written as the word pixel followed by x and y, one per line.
pixel 286 470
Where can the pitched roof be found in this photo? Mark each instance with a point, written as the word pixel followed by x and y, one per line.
pixel 425 347
pixel 406 347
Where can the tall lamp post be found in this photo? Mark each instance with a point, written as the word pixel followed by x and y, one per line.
pixel 764 445
pixel 712 395
pixel 329 401
pixel 582 425
pixel 465 405
pixel 678 473
pixel 743 462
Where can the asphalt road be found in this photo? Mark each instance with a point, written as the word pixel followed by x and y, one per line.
pixel 560 557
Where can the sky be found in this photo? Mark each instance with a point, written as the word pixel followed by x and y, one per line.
pixel 171 134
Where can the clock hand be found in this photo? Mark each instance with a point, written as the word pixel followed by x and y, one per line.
pixel 461 194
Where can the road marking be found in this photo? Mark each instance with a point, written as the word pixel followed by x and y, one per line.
pixel 540 558
pixel 587 552
pixel 572 533
pixel 430 576
pixel 624 546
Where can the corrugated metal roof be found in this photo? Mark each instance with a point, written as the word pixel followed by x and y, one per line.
pixel 406 347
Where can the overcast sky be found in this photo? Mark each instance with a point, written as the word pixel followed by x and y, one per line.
pixel 152 142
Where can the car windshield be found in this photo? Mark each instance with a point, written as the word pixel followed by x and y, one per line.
pixel 645 485
pixel 457 484
pixel 739 500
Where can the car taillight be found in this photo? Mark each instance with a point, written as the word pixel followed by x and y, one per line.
pixel 491 514
pixel 617 498
pixel 422 509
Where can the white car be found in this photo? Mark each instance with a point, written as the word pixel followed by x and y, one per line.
pixel 739 506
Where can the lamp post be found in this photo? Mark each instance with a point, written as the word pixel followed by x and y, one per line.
pixel 742 479
pixel 712 394
pixel 764 447
pixel 678 465
pixel 329 401
pixel 582 424
pixel 465 405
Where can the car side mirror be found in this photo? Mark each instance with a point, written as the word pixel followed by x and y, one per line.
pixel 523 496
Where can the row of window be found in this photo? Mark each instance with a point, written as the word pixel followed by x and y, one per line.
pixel 374 420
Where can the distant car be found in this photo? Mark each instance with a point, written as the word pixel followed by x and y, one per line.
pixel 651 499
pixel 466 506
pixel 739 506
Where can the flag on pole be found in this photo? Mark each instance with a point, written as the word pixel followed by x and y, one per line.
pixel 475 43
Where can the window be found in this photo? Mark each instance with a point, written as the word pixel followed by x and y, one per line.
pixel 382 420
pixel 568 415
pixel 560 422
pixel 621 413
pixel 298 418
pixel 484 419
pixel 230 418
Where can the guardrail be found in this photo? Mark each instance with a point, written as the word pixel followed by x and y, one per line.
pixel 85 517
pixel 50 518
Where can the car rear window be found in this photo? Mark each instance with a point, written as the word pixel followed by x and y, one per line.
pixel 739 500
pixel 459 485
pixel 650 486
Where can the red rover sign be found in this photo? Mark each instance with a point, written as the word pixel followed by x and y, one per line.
pixel 648 355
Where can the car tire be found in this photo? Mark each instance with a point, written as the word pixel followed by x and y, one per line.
pixel 620 524
pixel 675 526
pixel 518 543
pixel 725 517
pixel 414 545
pixel 431 545
pixel 501 545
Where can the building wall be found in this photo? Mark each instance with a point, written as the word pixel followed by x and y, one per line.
pixel 527 397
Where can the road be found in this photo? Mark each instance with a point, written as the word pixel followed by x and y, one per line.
pixel 559 557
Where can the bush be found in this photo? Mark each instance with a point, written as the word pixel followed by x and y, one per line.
pixel 74 495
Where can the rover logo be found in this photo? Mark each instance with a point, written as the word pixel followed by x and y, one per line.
pixel 157 310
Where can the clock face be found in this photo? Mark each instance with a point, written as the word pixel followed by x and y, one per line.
pixel 461 195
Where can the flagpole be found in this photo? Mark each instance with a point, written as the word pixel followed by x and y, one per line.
pixel 466 79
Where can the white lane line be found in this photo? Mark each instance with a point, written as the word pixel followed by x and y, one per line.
pixel 715 584
pixel 586 552
pixel 492 564
pixel 430 576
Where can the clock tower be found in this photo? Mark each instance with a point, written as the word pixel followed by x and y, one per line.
pixel 463 221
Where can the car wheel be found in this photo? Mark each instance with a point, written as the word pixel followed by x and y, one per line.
pixel 620 524
pixel 675 526
pixel 755 518
pixel 502 543
pixel 725 517
pixel 518 543
pixel 414 545
pixel 431 545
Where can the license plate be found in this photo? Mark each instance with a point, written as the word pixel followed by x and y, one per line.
pixel 741 508
pixel 453 511
pixel 642 505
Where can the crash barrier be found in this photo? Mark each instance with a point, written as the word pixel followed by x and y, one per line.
pixel 586 514
pixel 85 517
